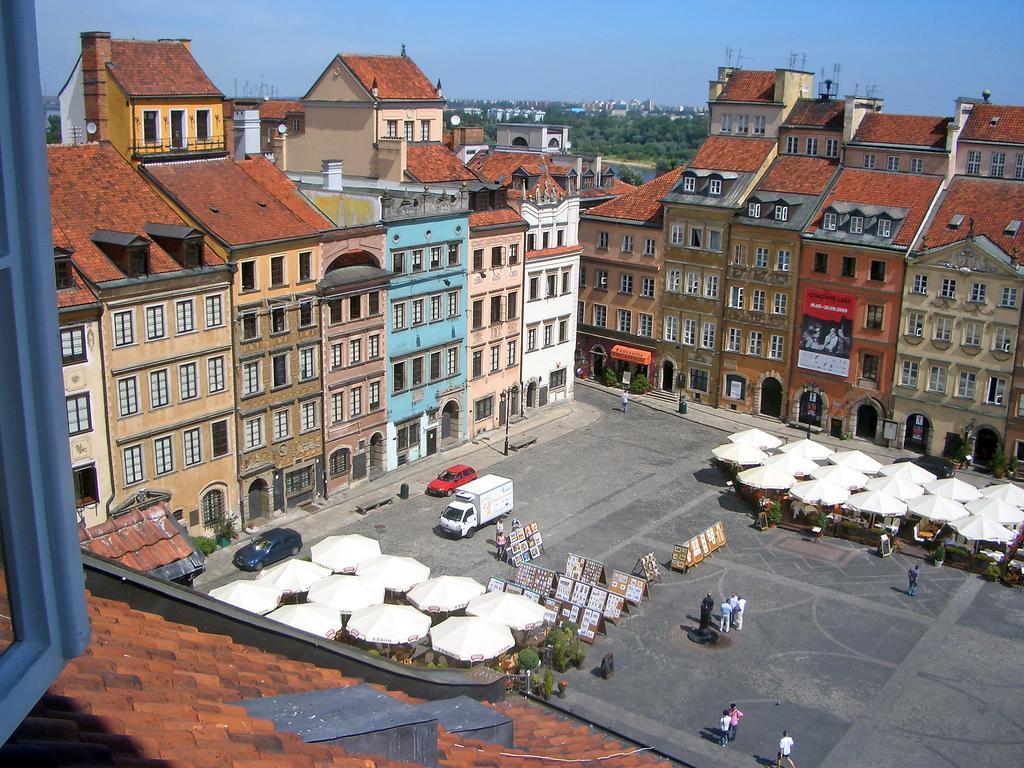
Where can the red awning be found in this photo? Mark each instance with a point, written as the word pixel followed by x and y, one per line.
pixel 631 354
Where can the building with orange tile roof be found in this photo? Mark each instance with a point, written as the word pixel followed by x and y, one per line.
pixel 431 163
pixel 149 98
pixel 254 218
pixel 620 282
pixel 989 139
pixel 165 337
pixel 745 102
pixel 698 212
pixel 910 143
pixel 847 321
pixel 959 374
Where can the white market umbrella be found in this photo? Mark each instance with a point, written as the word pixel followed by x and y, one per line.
pixel 857 460
pixel 808 449
pixel 1008 492
pixel 791 463
pixel 343 553
pixel 819 492
pixel 346 593
pixel 766 478
pixel 293 575
pixel 445 593
pixel 318 620
pixel 953 488
pixel 388 624
pixel 399 574
pixel 937 508
pixel 250 596
pixel 757 438
pixel 907 470
pixel 904 490
pixel 513 611
pixel 469 638
pixel 740 453
pixel 978 528
pixel 996 510
pixel 876 503
pixel 848 478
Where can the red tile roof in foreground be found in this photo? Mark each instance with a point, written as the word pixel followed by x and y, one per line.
pixel 269 176
pixel 617 187
pixel 749 85
pixel 991 203
pixel 158 68
pixel 231 204
pixel 903 130
pixel 731 153
pixel 495 218
pixel 1008 128
pixel 897 190
pixel 816 113
pixel 142 540
pixel 561 250
pixel 798 174
pixel 150 692
pixel 433 163
pixel 279 109
pixel 397 77
pixel 92 187
pixel 642 204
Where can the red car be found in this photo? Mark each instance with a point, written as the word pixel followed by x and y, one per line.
pixel 450 479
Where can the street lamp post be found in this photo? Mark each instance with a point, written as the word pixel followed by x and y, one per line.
pixel 506 401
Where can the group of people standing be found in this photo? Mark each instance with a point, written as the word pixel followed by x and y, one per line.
pixel 499 537
pixel 732 609
pixel 730 721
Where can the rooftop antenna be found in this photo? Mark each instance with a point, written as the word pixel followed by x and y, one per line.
pixel 870 90
pixel 728 56
pixel 739 59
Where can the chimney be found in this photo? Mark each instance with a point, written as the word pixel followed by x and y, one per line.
pixel 374 90
pixel 229 127
pixel 334 176
pixel 95 57
pixel 440 93
pixel 246 131
pixel 854 111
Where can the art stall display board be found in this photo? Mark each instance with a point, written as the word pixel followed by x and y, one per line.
pixel 495 585
pixel 571 613
pixel 527 544
pixel 574 566
pixel 552 608
pixel 647 567
pixel 597 600
pixel 580 593
pixel 615 606
pixel 593 571
pixel 538 579
pixel 534 596
pixel 591 622
pixel 680 557
pixel 719 529
pixel 563 591
pixel 632 588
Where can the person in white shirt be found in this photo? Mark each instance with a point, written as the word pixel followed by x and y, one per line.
pixel 734 604
pixel 785 750
pixel 737 613
pixel 726 609
pixel 725 724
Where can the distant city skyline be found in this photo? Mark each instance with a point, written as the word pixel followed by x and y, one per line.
pixel 913 54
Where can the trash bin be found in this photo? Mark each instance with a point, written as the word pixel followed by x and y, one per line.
pixel 403 491
pixel 607 666
pixel 682 403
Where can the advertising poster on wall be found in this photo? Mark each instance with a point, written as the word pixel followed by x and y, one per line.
pixel 827 331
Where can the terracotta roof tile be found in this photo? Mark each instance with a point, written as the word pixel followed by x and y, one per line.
pixel 749 85
pixel 279 109
pixel 991 204
pixel 270 177
pixel 229 202
pixel 92 187
pixel 616 188
pixel 731 153
pixel 158 68
pixel 397 77
pixel 817 113
pixel 903 130
pixel 561 250
pixel 77 296
pixel 432 163
pixel 142 540
pixel 642 204
pixel 497 217
pixel 798 174
pixel 499 166
pixel 1008 128
pixel 900 190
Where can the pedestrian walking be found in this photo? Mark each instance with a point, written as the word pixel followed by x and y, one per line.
pixel 734 605
pixel 734 720
pixel 726 610
pixel 912 575
pixel 625 400
pixel 499 540
pixel 741 607
pixel 785 750
pixel 724 724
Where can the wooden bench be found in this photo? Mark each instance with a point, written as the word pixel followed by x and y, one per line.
pixel 364 508
pixel 526 442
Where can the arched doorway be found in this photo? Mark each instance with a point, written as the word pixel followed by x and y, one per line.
pixel 867 421
pixel 985 445
pixel 553 143
pixel 597 357
pixel 340 463
pixel 377 456
pixel 450 421
pixel 917 430
pixel 531 395
pixel 668 375
pixel 259 499
pixel 519 141
pixel 771 397
pixel 810 408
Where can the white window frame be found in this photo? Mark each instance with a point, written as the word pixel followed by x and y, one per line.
pixel 133 465
pixel 123 325
pixel 828 221
pixel 308 420
pixel 184 316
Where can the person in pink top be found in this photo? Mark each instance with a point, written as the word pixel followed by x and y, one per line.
pixel 734 720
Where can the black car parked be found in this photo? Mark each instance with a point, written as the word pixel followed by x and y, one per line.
pixel 267 548
pixel 938 466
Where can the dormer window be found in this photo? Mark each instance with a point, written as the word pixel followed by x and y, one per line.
pixel 715 187
pixel 689 184
pixel 754 210
pixel 193 253
pixel 884 228
pixel 856 225
pixel 829 221
pixel 138 260
pixel 64 273
pixel 726 123
pixel 781 212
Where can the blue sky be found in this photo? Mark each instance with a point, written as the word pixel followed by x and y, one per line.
pixel 908 49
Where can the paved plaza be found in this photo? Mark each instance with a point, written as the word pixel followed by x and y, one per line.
pixel 832 647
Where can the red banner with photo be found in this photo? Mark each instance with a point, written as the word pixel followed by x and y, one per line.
pixel 826 332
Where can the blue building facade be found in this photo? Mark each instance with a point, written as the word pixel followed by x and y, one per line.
pixel 427 248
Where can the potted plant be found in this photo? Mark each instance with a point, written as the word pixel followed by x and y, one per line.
pixel 962 455
pixel 225 529
pixel 548 684
pixel 640 385
pixel 998 464
pixel 939 555
pixel 563 686
pixel 528 660
pixel 609 377
pixel 774 511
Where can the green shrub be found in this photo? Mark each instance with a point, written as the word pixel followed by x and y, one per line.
pixel 609 377
pixel 548 684
pixel 993 572
pixel 204 544
pixel 442 662
pixel 640 385
pixel 998 464
pixel 528 659
pixel 774 513
pixel 940 553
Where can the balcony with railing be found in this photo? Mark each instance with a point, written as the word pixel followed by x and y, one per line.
pixel 163 149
